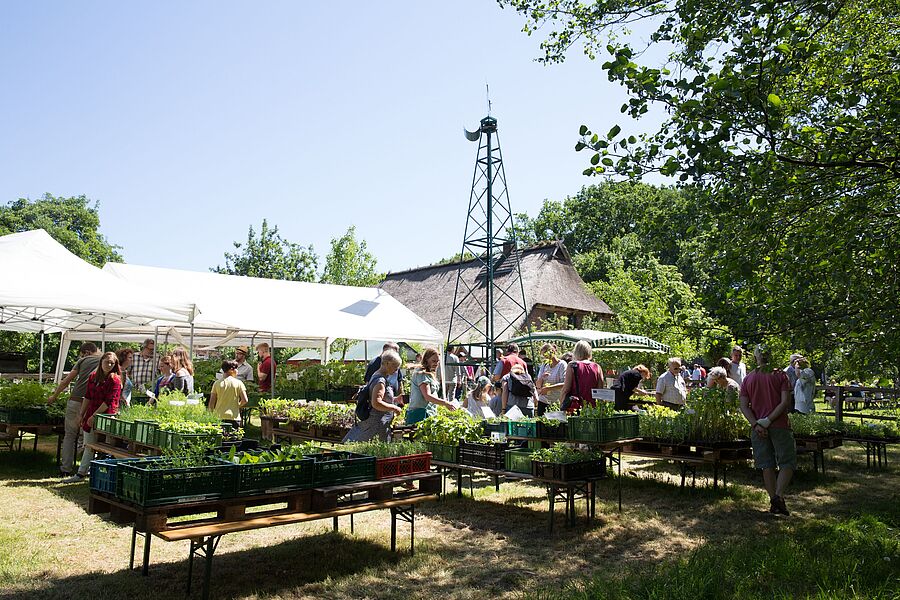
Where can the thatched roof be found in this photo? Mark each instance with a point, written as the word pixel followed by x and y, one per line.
pixel 550 281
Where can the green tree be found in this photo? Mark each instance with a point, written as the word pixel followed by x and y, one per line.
pixel 74 222
pixel 785 115
pixel 350 262
pixel 271 257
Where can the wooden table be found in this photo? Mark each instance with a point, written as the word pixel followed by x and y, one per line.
pixel 817 446
pixel 876 449
pixel 690 456
pixel 10 433
pixel 567 491
pixel 205 533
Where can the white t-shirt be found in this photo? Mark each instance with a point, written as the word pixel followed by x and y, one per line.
pixel 738 371
pixel 557 375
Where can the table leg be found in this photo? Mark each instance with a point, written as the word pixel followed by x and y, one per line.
pixel 133 544
pixel 412 530
pixel 459 483
pixel 868 454
pixel 211 543
pixel 193 549
pixel 335 524
pixel 145 569
pixel 823 462
pixel 393 530
pixel 716 475
pixel 496 483
pixel 683 472
pixel 551 492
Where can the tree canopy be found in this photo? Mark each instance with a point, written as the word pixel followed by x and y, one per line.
pixel 350 262
pixel 74 222
pixel 784 116
pixel 270 256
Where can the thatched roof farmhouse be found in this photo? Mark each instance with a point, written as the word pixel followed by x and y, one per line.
pixel 552 288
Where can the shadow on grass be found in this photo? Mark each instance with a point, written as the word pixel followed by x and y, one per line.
pixel 276 569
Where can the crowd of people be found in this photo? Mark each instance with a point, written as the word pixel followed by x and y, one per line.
pixel 104 382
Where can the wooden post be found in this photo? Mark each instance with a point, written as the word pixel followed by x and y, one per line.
pixel 839 409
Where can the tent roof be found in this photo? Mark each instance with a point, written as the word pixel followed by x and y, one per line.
pixel 359 351
pixel 602 340
pixel 240 310
pixel 46 287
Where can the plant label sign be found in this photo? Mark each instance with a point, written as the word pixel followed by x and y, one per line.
pixel 604 394
pixel 487 412
pixel 514 414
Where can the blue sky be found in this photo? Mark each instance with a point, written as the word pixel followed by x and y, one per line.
pixel 190 121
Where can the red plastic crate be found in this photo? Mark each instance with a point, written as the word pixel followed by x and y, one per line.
pixel 402 465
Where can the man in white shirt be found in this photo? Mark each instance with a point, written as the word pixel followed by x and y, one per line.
pixel 670 388
pixel 738 369
pixel 244 370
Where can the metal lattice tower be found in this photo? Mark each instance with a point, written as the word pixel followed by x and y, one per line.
pixel 496 294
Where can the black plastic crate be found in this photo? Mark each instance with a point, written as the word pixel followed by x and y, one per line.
pixel 548 432
pixel 490 428
pixel 486 456
pixel 23 416
pixel 588 469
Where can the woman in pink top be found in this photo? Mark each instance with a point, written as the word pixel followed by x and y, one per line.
pixel 582 376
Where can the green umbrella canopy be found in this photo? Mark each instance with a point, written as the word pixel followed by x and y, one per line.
pixel 601 340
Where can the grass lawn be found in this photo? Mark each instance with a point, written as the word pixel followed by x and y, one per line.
pixel 841 541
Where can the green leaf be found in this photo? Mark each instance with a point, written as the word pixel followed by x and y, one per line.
pixel 595 159
pixel 774 100
pixel 613 132
pixel 583 130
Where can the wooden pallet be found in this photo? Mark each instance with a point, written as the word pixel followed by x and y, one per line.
pixel 819 443
pixel 125 447
pixel 160 518
pixel 337 496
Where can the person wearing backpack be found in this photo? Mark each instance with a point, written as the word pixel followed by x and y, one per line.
pixel 375 406
pixel 518 390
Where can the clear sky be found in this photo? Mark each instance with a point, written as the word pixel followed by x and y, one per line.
pixel 190 121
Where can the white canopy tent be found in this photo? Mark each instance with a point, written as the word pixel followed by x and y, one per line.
pixel 47 289
pixel 243 310
pixel 601 340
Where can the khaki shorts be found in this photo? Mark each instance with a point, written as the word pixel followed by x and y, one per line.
pixel 776 449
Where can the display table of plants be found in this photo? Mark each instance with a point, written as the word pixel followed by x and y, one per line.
pixel 200 474
pixel 175 422
pixel 24 409
pixel 303 420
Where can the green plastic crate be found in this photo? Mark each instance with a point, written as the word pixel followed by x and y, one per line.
pixel 174 440
pixel 141 484
pixel 270 477
pixel 521 429
pixel 518 461
pixel 23 416
pixel 607 429
pixel 339 467
pixel 104 423
pixel 443 452
pixel 145 432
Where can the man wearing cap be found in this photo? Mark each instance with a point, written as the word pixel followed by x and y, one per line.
pixel 791 371
pixel 765 402
pixel 244 370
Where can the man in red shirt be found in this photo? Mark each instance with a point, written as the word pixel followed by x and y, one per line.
pixel 265 368
pixel 765 401
pixel 503 366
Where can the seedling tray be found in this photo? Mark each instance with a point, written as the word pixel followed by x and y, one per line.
pixel 402 465
pixel 336 468
pixel 23 416
pixel 269 477
pixel 521 429
pixel 490 428
pixel 145 432
pixel 486 456
pixel 443 452
pixel 569 471
pixel 547 432
pixel 174 440
pixel 105 424
pixel 103 477
pixel 148 482
pixel 518 461
pixel 607 429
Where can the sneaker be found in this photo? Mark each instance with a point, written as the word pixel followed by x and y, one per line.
pixel 76 478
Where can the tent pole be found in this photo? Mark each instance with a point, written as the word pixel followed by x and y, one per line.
pixel 103 335
pixel 64 343
pixel 192 342
pixel 41 362
pixel 155 361
pixel 443 381
pixel 326 351
pixel 272 366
